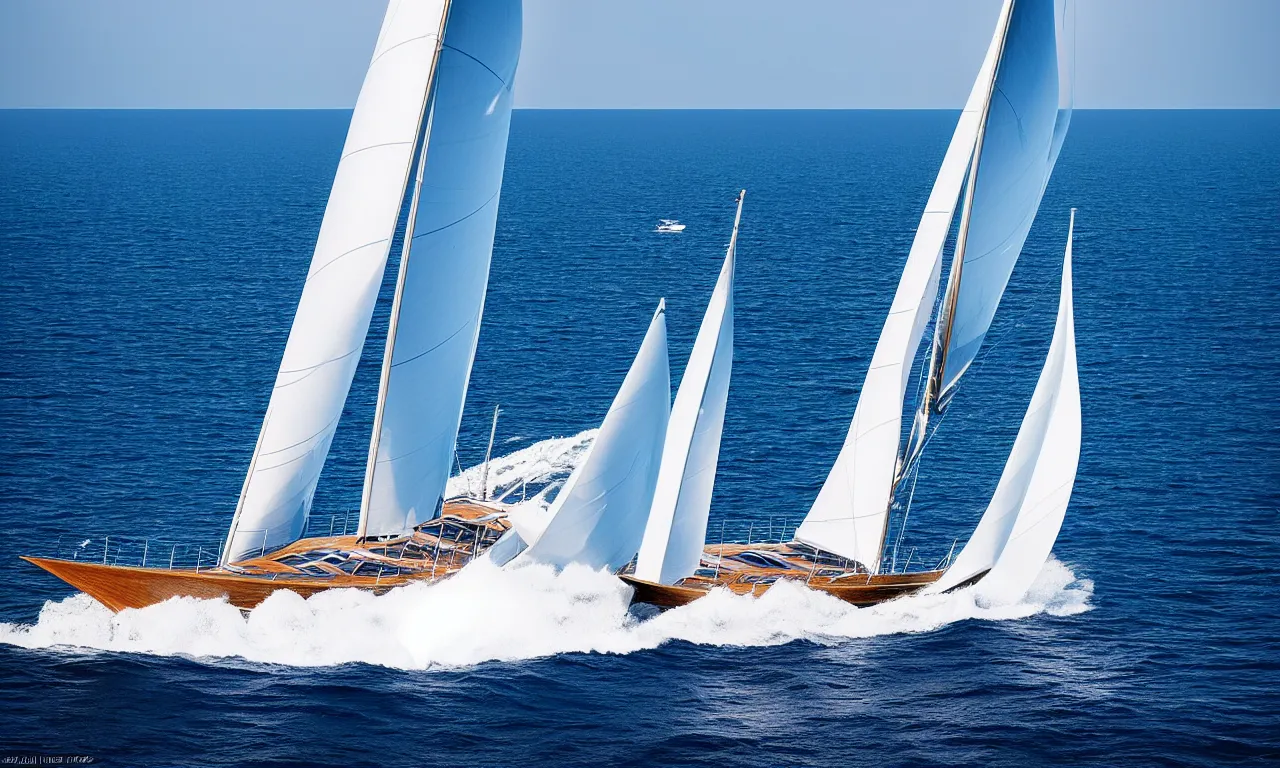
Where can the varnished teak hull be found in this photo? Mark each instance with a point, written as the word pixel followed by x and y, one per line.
pixel 120 587
pixel 856 590
pixel 437 556
pixel 254 580
pixel 742 570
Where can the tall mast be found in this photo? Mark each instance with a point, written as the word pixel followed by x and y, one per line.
pixel 384 379
pixel 946 317
pixel 947 312
pixel 488 454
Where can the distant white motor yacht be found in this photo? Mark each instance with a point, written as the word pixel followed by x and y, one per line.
pixel 669 225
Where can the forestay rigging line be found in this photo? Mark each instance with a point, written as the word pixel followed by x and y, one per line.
pixel 979 364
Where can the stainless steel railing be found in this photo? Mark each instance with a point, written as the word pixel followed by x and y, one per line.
pixel 136 552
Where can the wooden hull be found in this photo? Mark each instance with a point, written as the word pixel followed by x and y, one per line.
pixel 661 595
pixel 863 592
pixel 751 569
pixel 120 587
pixel 306 567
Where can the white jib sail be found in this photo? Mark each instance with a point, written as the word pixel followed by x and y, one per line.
pixel 342 283
pixel 598 517
pixel 1017 531
pixel 676 529
pixel 1019 147
pixel 440 299
pixel 848 518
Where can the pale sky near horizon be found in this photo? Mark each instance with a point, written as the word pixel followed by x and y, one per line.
pixel 826 54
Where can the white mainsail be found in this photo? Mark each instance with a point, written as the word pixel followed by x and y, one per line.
pixel 598 518
pixel 440 297
pixel 1015 157
pixel 342 284
pixel 849 516
pixel 677 526
pixel 1017 531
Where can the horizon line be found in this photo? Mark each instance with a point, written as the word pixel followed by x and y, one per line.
pixel 627 109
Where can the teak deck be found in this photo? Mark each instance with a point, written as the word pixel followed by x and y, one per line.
pixel 312 565
pixel 251 581
pixel 845 582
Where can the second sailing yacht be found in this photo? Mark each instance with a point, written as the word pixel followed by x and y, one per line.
pixel 995 170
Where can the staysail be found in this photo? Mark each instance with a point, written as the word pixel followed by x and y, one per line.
pixel 850 513
pixel 342 283
pixel 677 526
pixel 445 270
pixel 1017 531
pixel 598 518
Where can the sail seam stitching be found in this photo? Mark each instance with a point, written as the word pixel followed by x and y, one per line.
pixel 459 221
pixel 285 463
pixel 397 45
pixel 630 470
pixel 343 255
pixel 375 146
pixel 312 368
pixel 419 449
pixel 1007 242
pixel 501 79
pixel 441 343
pixel 1044 500
pixel 300 442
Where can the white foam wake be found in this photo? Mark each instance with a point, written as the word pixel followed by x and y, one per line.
pixel 487 614
pixel 528 475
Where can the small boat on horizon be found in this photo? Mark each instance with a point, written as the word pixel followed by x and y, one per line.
pixel 995 171
pixel 669 225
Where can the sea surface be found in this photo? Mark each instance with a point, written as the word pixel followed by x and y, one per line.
pixel 150 263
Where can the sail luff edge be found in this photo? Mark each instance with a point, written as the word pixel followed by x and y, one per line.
pixel 384 379
pixel 942 336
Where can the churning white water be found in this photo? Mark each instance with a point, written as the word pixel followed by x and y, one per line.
pixel 486 614
pixel 527 475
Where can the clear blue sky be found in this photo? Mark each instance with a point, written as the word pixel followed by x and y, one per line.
pixel 634 53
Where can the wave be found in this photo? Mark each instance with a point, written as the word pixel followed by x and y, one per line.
pixel 539 469
pixel 489 614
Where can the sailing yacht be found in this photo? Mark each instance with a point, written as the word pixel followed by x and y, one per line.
pixel 427 143
pixel 995 170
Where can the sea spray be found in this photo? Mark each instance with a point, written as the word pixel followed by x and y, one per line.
pixel 484 613
pixel 489 614
pixel 538 469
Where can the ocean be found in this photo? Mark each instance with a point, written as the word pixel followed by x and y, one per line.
pixel 151 265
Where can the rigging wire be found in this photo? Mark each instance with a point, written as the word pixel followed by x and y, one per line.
pixel 1016 322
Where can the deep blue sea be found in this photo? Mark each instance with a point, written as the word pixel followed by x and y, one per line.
pixel 150 263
